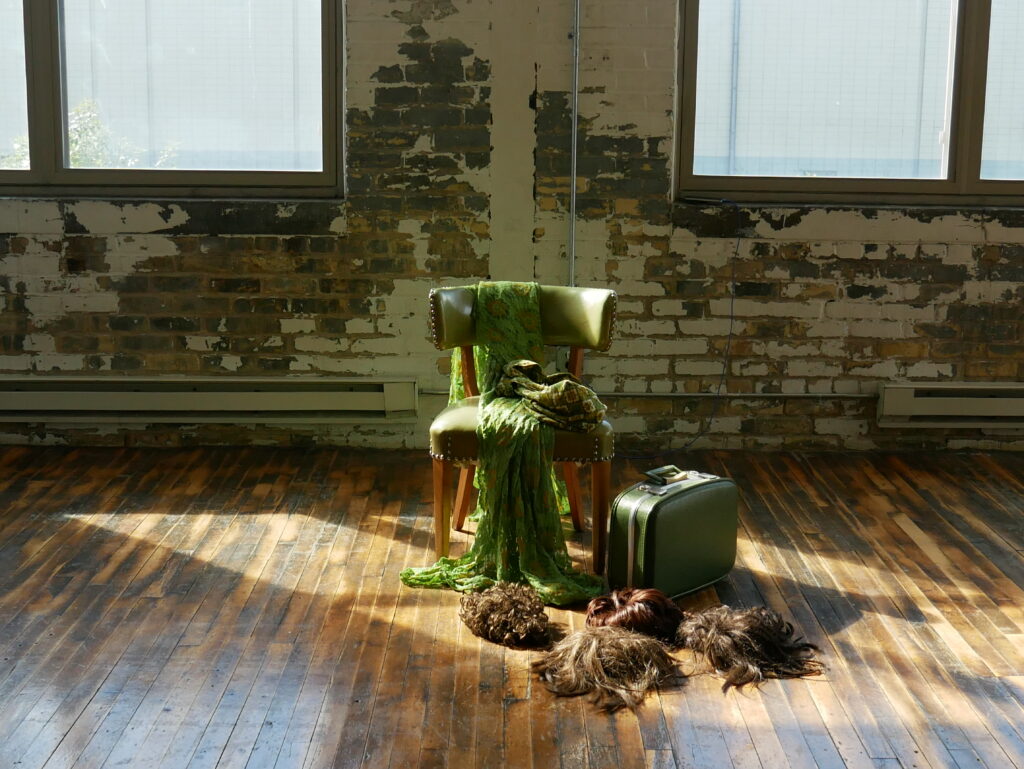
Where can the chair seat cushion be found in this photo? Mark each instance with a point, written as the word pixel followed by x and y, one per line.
pixel 453 437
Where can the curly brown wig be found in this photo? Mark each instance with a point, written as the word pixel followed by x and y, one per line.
pixel 748 645
pixel 507 614
pixel 646 611
pixel 618 667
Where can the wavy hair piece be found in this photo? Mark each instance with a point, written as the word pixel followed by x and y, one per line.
pixel 617 667
pixel 507 614
pixel 748 645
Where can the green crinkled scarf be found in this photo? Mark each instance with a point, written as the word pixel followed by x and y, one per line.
pixel 519 534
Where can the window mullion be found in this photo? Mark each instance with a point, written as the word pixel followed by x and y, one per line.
pixel 687 101
pixel 43 82
pixel 969 118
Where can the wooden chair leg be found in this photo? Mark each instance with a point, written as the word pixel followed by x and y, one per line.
pixel 600 495
pixel 572 487
pixel 442 505
pixel 463 495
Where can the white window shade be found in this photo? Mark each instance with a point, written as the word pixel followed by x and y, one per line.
pixel 824 88
pixel 231 85
pixel 14 152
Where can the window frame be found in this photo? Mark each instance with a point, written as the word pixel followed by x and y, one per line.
pixel 48 176
pixel 963 187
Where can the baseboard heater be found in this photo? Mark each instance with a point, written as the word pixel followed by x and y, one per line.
pixel 952 404
pixel 223 400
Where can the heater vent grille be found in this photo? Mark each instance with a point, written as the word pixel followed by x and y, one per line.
pixel 952 404
pixel 295 400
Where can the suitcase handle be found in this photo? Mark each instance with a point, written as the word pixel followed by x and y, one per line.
pixel 662 476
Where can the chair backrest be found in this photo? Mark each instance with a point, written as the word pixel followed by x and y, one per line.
pixel 578 317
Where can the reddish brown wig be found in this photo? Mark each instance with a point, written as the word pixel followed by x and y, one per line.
pixel 646 611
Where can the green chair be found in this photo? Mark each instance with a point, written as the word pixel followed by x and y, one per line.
pixel 580 318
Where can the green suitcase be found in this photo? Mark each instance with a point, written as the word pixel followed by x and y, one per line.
pixel 675 532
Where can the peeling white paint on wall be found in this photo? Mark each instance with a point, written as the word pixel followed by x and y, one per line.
pixel 101 217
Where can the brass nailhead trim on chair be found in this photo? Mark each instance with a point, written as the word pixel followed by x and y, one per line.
pixel 434 320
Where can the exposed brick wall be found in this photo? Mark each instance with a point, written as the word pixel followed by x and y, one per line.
pixel 829 302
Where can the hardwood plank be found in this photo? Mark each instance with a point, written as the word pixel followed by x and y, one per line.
pixel 240 608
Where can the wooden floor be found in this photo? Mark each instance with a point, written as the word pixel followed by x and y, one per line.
pixel 241 608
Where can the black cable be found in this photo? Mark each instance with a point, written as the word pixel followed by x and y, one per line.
pixel 728 342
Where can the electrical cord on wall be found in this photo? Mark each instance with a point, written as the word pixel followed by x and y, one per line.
pixel 728 341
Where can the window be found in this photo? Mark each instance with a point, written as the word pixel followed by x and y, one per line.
pixel 169 96
pixel 859 100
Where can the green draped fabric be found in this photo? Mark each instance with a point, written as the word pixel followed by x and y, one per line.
pixel 519 535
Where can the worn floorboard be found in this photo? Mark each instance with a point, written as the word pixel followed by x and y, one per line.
pixel 240 608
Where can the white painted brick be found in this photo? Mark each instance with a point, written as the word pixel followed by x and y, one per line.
pixel 908 312
pixel 634 424
pixel 750 308
pixel 792 290
pixel 640 288
pixel 725 425
pixel 929 370
pixel 698 368
pixel 359 326
pixel 380 346
pixel 959 253
pixel 599 384
pixel 202 343
pixel 631 347
pixel 850 250
pixel 230 362
pixel 886 226
pixel 844 309
pixel 750 368
pixel 981 291
pixel 888 369
pixel 833 348
pixel 636 367
pixel 298 325
pixel 631 385
pixel 31 217
pixel 321 344
pixel 667 307
pixel 630 307
pixel 840 426
pixel 680 346
pixel 39 343
pixel 703 327
pixel 794 386
pixel 686 426
pixel 812 368
pixel 16 362
pixel 877 329
pixel 661 386
pixel 782 350
pixel 101 217
pixel 660 58
pixel 827 328
pixel 634 327
pixel 58 362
